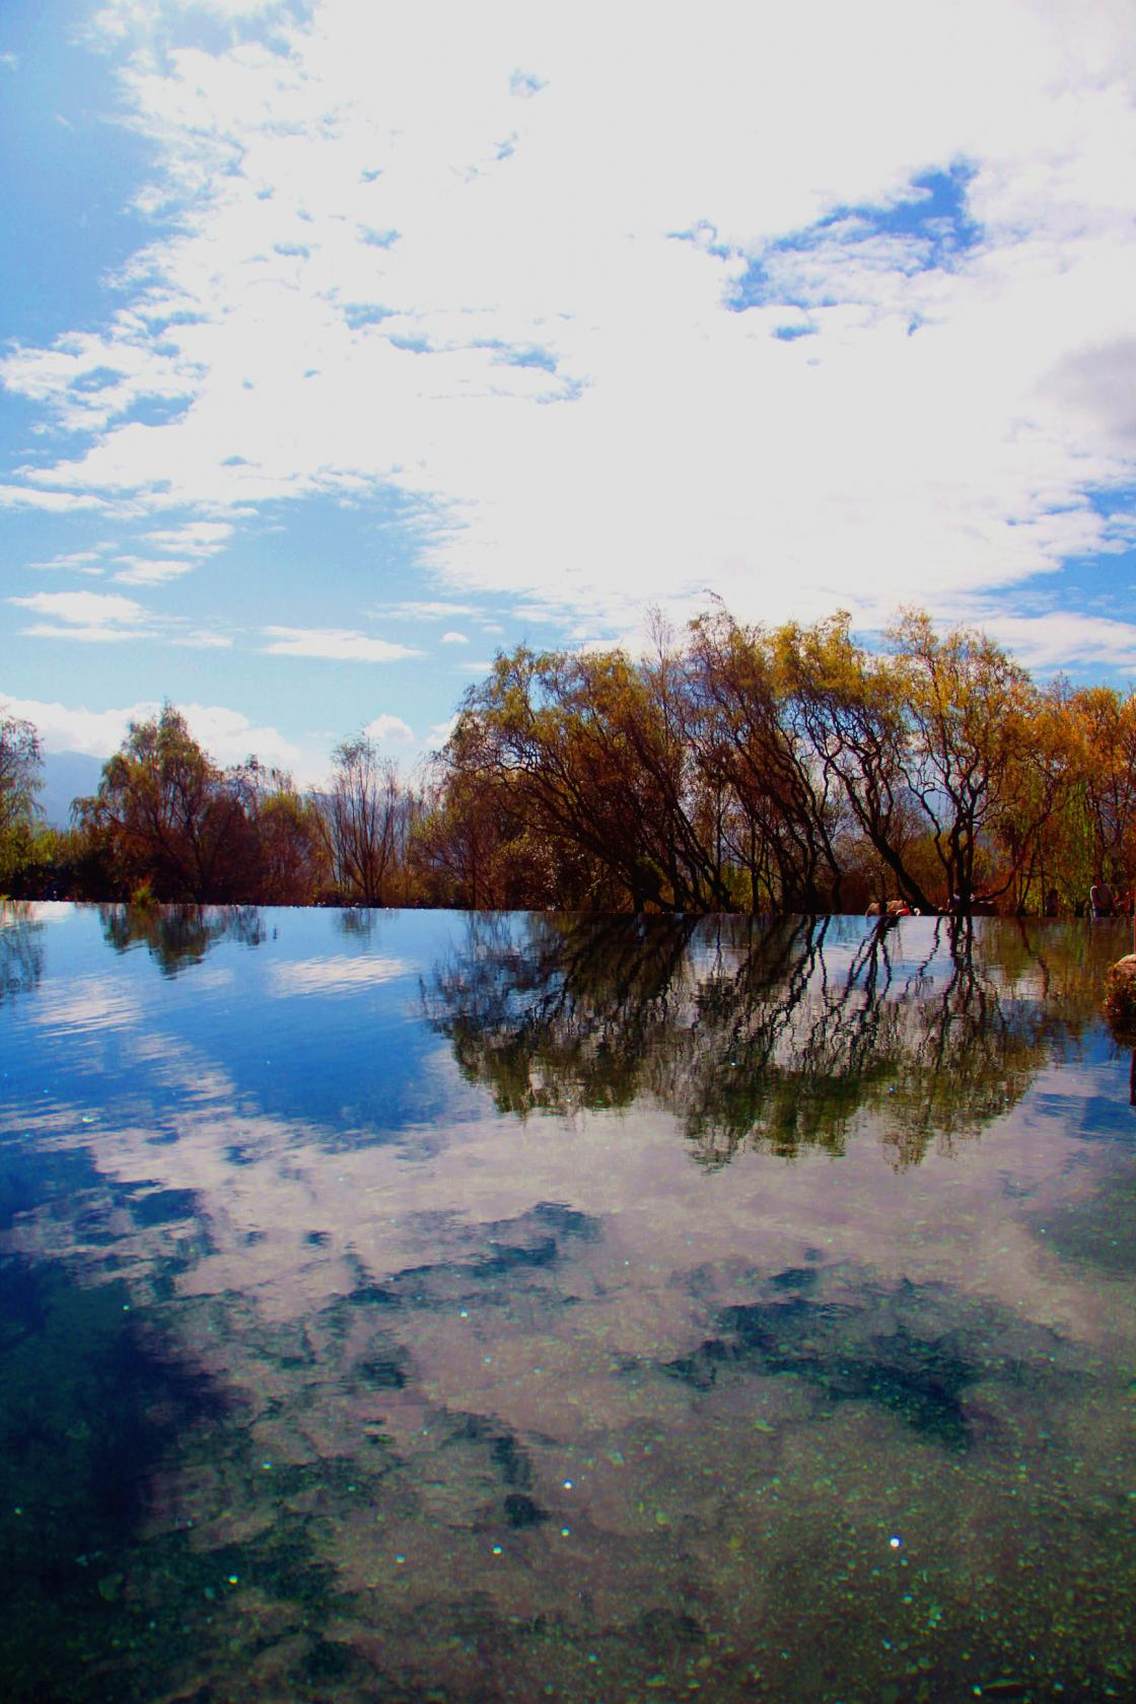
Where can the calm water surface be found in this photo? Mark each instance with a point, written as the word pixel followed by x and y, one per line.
pixel 428 1307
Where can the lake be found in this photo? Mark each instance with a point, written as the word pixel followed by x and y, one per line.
pixel 427 1306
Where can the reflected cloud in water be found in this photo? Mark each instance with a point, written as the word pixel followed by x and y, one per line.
pixel 338 974
pixel 88 1003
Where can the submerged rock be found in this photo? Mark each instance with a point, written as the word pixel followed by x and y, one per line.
pixel 1120 996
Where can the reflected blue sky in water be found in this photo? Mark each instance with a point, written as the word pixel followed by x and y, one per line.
pixel 603 1300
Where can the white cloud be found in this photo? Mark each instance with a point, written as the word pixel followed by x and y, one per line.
pixel 388 270
pixel 97 733
pixel 230 10
pixel 91 617
pixel 227 735
pixel 390 730
pixel 1062 640
pixel 104 617
pixel 203 639
pixel 336 643
pixel 87 608
pixel 1099 382
pixel 77 561
pixel 58 502
pixel 150 570
pixel 94 635
pixel 119 18
pixel 454 639
pixel 192 538
pixel 436 610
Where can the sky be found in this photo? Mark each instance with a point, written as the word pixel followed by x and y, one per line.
pixel 345 343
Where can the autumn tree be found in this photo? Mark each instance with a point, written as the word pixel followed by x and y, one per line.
pixel 784 811
pixel 287 839
pixel 1029 862
pixel 366 819
pixel 593 748
pixel 972 720
pixel 1102 808
pixel 20 771
pixel 851 709
pixel 170 817
pixel 478 847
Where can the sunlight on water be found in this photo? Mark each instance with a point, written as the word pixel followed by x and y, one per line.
pixel 426 1306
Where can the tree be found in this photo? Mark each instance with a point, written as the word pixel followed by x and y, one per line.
pixel 366 819
pixel 170 817
pixel 475 846
pixel 541 734
pixel 1103 726
pixel 1027 830
pixel 972 718
pixel 594 754
pixel 784 813
pixel 851 708
pixel 20 780
pixel 288 845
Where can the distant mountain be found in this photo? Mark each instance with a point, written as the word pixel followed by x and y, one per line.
pixel 67 775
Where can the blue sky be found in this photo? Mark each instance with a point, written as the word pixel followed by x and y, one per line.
pixel 344 344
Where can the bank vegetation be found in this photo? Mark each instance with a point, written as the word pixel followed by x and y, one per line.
pixel 733 768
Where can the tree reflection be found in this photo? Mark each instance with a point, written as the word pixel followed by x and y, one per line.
pixel 358 922
pixel 178 935
pixel 774 1033
pixel 21 948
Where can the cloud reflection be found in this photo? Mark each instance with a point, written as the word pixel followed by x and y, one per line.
pixel 85 1004
pixel 340 974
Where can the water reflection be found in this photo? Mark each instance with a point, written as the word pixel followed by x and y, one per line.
pixel 179 935
pixel 21 947
pixel 369 1332
pixel 764 1033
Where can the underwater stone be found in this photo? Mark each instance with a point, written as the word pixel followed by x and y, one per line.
pixel 1120 996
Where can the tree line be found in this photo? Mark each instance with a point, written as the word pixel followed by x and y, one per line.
pixel 168 824
pixel 730 768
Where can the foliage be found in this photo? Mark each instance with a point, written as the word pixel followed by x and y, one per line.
pixel 734 768
pixel 366 820
pixel 20 764
pixel 169 816
pixel 788 770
